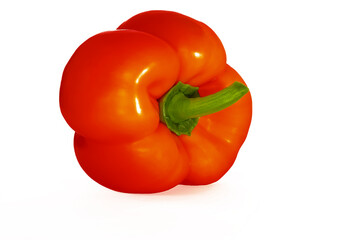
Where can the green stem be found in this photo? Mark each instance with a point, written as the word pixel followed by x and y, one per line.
pixel 182 106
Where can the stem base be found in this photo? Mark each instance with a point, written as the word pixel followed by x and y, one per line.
pixel 185 126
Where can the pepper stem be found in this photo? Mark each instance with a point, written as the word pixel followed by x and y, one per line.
pixel 182 106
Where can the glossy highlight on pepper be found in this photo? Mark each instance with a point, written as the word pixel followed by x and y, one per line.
pixel 153 104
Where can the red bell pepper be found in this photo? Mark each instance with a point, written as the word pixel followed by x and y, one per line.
pixel 153 104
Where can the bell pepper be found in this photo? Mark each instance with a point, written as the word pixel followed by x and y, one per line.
pixel 153 104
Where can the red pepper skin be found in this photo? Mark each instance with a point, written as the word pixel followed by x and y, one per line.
pixel 155 163
pixel 216 140
pixel 103 87
pixel 201 53
pixel 109 95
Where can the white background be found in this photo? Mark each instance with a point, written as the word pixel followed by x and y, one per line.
pixel 296 176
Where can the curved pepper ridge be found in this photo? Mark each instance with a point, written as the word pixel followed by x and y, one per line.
pixel 109 96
